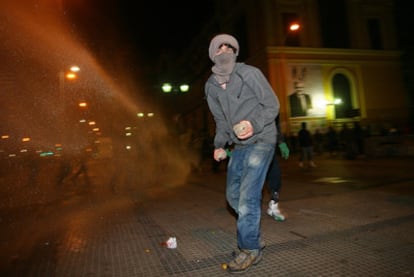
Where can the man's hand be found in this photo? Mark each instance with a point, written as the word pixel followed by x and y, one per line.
pixel 284 150
pixel 220 154
pixel 243 129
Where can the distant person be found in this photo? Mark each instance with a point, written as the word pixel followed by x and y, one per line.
pixel 299 101
pixel 274 176
pixel 244 108
pixel 306 146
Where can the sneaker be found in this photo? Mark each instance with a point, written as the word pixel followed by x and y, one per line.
pixel 274 211
pixel 244 261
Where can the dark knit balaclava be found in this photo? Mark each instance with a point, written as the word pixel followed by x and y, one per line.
pixel 223 63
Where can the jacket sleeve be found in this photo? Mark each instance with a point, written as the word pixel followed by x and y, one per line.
pixel 267 99
pixel 280 136
pixel 221 137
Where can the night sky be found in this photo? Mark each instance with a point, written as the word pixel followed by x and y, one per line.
pixel 153 27
pixel 150 27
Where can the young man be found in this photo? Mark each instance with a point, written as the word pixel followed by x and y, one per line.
pixel 244 108
pixel 274 177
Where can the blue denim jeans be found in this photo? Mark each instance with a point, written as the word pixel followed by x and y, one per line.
pixel 246 173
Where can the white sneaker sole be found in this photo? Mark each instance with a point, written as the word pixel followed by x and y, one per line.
pixel 276 216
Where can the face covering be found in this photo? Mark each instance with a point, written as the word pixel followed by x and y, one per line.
pixel 224 64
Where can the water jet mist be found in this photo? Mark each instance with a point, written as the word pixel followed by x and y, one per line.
pixel 38 44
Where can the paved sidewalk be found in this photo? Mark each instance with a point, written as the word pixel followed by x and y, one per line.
pixel 345 218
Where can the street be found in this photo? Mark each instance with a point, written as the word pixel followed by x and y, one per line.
pixel 111 223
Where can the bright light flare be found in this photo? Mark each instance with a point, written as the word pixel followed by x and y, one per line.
pixel 184 88
pixel 294 27
pixel 75 68
pixel 167 87
pixel 71 76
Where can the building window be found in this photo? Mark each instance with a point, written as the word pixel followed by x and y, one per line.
pixel 374 33
pixel 342 90
pixel 334 24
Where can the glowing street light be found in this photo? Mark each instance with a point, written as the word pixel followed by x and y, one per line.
pixel 71 76
pixel 294 27
pixel 168 88
pixel 75 68
pixel 292 30
pixel 184 87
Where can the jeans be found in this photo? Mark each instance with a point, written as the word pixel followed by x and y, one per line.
pixel 246 173
pixel 274 179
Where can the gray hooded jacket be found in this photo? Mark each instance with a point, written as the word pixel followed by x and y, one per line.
pixel 248 96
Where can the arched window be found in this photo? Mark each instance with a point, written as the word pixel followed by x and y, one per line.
pixel 342 90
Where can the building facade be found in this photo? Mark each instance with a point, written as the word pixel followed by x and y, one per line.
pixel 342 65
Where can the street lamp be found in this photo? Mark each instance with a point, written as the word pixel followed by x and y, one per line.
pixel 168 88
pixel 294 27
pixel 184 87
pixel 70 74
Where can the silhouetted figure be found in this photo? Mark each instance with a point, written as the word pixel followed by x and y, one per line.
pixel 306 146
